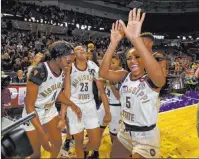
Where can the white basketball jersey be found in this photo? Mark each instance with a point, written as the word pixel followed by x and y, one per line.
pixel 139 102
pixel 110 95
pixel 49 90
pixel 82 82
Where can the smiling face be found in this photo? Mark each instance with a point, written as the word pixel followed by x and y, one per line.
pixel 135 62
pixel 65 61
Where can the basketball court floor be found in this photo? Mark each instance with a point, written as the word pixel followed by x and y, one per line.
pixel 177 124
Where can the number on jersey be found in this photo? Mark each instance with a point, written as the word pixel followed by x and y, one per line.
pixel 128 102
pixel 84 87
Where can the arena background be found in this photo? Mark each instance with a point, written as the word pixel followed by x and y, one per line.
pixel 28 27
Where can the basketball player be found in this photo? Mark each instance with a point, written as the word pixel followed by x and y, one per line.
pixel 112 92
pixel 139 135
pixel 148 40
pixel 63 122
pixel 43 89
pixel 79 89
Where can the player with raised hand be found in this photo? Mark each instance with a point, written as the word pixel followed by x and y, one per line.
pixel 139 135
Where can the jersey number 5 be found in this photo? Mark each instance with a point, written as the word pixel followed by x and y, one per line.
pixel 128 102
pixel 84 87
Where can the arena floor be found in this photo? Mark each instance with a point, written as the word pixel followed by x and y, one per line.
pixel 177 124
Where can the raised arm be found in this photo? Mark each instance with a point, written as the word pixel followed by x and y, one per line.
pixel 132 32
pixel 104 72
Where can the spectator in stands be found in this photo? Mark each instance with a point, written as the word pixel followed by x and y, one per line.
pixel 6 62
pixel 5 92
pixel 17 66
pixel 19 47
pixel 19 78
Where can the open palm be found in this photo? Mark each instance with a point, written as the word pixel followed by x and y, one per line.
pixel 116 33
pixel 134 25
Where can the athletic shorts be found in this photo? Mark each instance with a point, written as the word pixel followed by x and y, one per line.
pixel 44 117
pixel 114 125
pixel 89 118
pixel 146 143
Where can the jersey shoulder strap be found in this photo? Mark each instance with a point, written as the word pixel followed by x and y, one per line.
pixel 150 82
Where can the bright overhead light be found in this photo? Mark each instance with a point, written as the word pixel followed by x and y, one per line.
pixel 77 25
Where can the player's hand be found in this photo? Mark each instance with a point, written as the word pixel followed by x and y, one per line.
pixel 45 142
pixel 116 33
pixel 61 124
pixel 107 118
pixel 77 111
pixel 135 20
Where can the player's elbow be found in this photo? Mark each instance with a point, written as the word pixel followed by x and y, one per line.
pixel 161 81
pixel 103 73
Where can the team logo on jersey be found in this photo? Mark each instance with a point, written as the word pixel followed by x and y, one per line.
pixel 125 89
pixel 91 71
pixel 152 152
pixel 141 85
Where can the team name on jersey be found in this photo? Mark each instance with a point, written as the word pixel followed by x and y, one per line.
pixel 48 106
pixel 137 91
pixel 81 78
pixel 50 89
pixel 84 96
pixel 128 115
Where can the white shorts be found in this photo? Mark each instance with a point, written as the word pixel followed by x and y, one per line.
pixel 44 117
pixel 146 143
pixel 89 118
pixel 114 125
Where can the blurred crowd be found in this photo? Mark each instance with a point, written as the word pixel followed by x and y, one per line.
pixel 18 47
pixel 53 13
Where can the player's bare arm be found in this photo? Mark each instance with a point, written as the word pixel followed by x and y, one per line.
pixel 132 32
pixel 36 78
pixel 100 86
pixel 67 102
pixel 116 37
